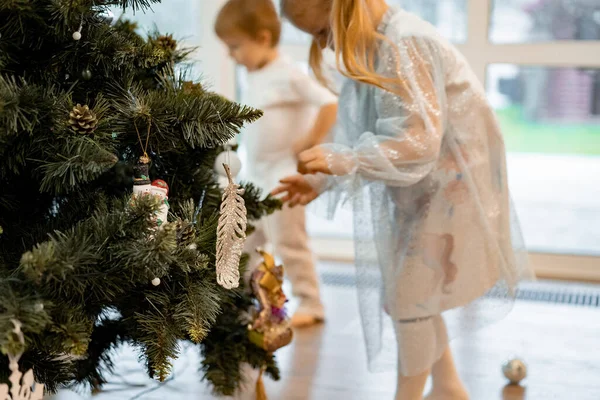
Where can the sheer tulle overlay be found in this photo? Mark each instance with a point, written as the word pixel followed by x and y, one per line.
pixel 425 173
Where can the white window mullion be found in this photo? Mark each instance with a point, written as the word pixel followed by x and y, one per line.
pixel 478 22
pixel 215 64
pixel 561 54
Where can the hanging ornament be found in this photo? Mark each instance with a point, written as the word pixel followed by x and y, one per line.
pixel 77 33
pixel 83 120
pixel 514 370
pixel 186 233
pixel 222 181
pixel 142 185
pixel 86 74
pixel 22 386
pixel 160 189
pixel 271 329
pixel 156 281
pixel 231 234
pixel 230 158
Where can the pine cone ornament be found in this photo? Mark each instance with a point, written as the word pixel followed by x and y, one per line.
pixel 83 120
pixel 166 42
pixel 193 88
pixel 185 233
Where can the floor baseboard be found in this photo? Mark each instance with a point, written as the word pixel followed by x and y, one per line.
pixel 546 266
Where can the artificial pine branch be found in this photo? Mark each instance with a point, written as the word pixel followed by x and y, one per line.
pixel 72 248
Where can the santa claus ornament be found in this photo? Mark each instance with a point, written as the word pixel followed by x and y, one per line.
pixel 157 188
pixel 160 190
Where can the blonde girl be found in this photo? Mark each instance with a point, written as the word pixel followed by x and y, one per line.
pixel 422 160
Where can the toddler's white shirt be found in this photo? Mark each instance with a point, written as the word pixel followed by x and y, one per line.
pixel 290 100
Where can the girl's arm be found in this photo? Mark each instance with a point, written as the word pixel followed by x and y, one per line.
pixel 409 127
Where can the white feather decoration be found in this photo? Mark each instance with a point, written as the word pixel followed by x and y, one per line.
pixel 231 234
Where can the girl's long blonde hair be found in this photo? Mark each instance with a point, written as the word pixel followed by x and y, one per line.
pixel 356 42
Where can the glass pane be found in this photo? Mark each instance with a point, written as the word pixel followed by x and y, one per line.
pixel 547 110
pixel 181 18
pixel 449 16
pixel 520 21
pixel 551 122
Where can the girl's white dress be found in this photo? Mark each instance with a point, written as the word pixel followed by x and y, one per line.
pixel 435 234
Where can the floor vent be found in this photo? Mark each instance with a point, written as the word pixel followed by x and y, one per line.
pixel 560 294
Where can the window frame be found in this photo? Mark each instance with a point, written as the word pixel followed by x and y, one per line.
pixel 480 52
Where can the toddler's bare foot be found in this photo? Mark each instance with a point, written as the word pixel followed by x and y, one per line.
pixel 301 320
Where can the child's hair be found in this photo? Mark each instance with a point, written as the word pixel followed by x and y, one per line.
pixel 355 40
pixel 249 17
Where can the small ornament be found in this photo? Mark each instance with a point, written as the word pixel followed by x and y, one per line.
pixel 271 329
pixel 77 35
pixel 156 281
pixel 231 234
pixel 515 371
pixel 83 120
pixel 222 181
pixel 86 74
pixel 159 188
pixel 230 158
pixel 186 233
pixel 166 42
pixel 23 386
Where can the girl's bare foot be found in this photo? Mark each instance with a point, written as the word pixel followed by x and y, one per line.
pixel 458 393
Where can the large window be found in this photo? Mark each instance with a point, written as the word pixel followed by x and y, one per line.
pixel 519 21
pixel 177 17
pixel 540 61
pixel 449 16
pixel 547 110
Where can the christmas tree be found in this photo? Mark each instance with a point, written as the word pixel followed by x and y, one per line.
pixel 82 266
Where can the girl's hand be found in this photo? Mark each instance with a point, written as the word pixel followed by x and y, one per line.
pixel 297 191
pixel 313 161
